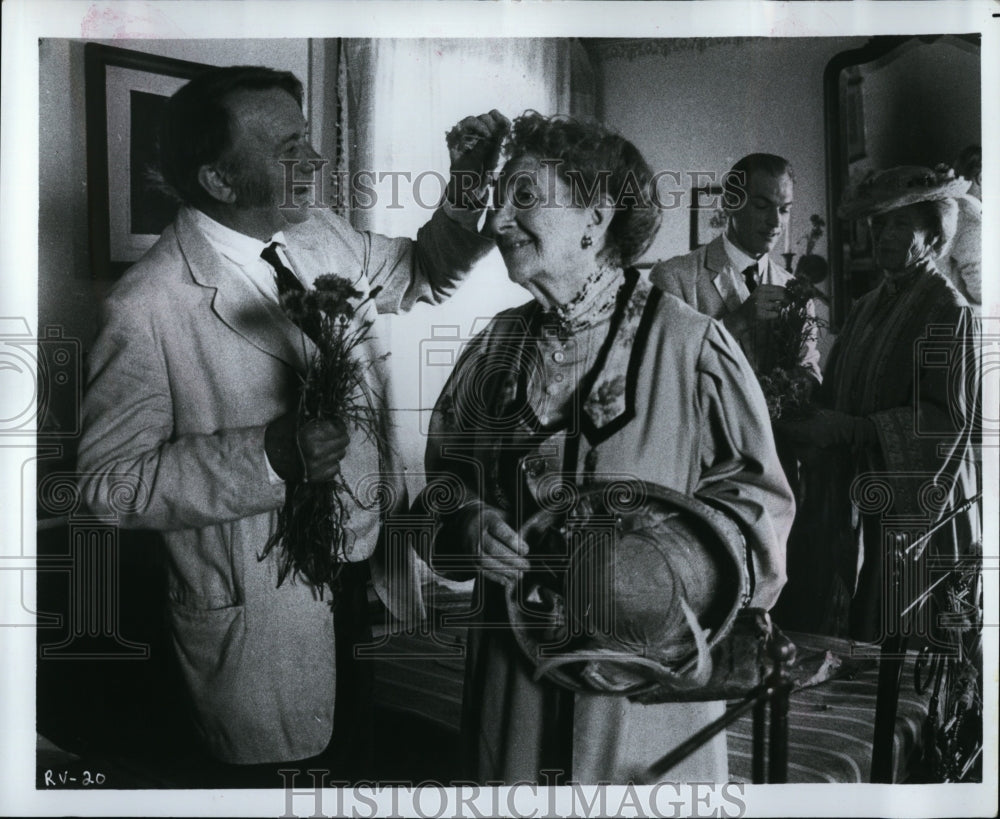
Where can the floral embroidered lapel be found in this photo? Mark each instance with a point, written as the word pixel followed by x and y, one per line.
pixel 607 393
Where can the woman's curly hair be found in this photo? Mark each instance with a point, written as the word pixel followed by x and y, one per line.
pixel 595 162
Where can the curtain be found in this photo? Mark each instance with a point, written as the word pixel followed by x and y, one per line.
pixel 402 98
pixel 404 95
pixel 334 119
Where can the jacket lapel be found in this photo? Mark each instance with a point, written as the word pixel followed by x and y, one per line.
pixel 237 304
pixel 609 403
pixel 721 271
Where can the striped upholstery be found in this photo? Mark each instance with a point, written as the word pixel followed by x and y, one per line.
pixel 831 723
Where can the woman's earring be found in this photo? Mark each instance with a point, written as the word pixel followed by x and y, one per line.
pixel 586 241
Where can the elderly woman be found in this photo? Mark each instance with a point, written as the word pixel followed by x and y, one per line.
pixel 597 376
pixel 893 442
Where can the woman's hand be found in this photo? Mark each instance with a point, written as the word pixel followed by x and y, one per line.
pixel 825 429
pixel 501 553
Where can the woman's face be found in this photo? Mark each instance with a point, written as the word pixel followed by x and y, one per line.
pixel 538 229
pixel 899 238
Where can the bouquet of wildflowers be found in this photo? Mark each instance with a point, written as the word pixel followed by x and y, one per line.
pixel 311 533
pixel 786 386
pixel 787 394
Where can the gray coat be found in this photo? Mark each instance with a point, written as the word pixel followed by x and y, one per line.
pixel 673 402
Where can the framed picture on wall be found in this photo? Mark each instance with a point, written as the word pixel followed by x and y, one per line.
pixel 125 93
pixel 708 219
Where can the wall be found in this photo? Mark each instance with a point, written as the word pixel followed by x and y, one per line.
pixel 690 105
pixel 700 105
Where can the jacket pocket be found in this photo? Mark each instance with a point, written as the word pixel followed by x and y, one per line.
pixel 209 642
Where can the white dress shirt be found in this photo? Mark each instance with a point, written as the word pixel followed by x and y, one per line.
pixel 740 262
pixel 243 252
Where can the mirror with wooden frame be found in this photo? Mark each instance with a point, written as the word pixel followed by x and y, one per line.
pixel 893 101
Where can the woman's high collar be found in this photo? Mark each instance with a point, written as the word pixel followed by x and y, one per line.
pixel 593 303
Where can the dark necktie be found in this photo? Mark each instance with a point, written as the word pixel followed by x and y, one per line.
pixel 286 280
pixel 750 277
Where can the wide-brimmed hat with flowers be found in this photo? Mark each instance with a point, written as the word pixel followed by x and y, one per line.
pixel 883 191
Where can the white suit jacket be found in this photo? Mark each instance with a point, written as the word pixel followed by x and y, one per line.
pixel 707 280
pixel 189 367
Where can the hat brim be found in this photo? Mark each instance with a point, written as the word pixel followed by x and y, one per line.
pixel 857 208
pixel 581 667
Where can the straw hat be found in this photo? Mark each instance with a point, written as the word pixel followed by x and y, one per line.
pixel 898 187
pixel 638 584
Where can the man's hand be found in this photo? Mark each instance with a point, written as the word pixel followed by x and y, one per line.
pixel 474 147
pixel 311 451
pixel 764 303
pixel 323 445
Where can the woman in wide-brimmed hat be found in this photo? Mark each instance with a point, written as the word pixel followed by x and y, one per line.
pixel 899 396
pixel 598 378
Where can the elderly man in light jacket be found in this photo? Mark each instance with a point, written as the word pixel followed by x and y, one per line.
pixel 192 387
